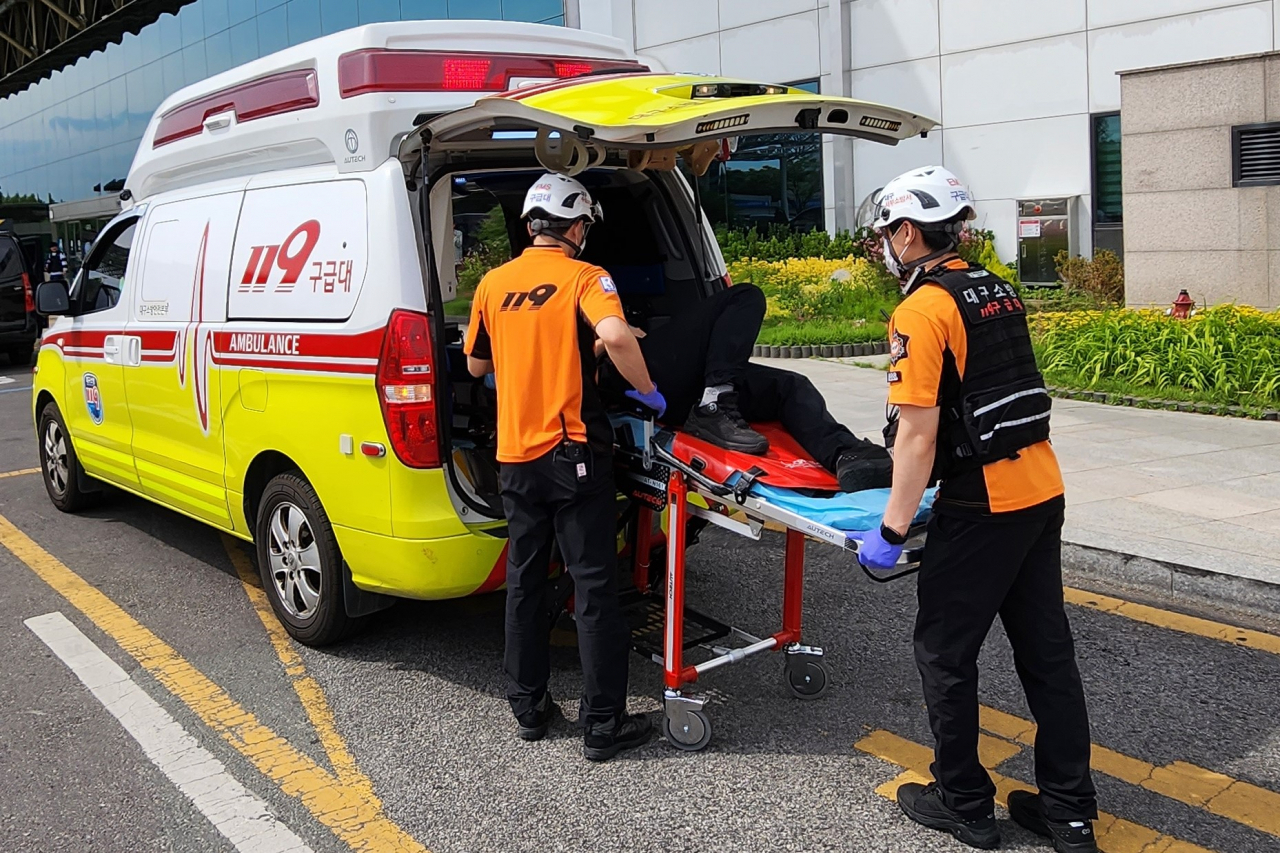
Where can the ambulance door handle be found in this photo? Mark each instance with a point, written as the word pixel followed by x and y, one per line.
pixel 133 352
pixel 111 348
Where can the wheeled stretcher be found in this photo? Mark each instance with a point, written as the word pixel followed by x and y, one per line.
pixel 697 484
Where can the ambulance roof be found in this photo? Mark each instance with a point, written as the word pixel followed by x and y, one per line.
pixel 347 98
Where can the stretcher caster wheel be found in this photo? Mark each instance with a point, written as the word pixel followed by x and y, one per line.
pixel 692 732
pixel 807 677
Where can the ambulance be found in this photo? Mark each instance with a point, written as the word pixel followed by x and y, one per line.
pixel 263 339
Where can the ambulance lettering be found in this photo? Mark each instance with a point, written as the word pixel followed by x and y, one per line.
pixel 290 257
pixel 263 344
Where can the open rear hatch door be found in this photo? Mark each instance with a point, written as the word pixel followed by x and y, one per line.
pixel 590 117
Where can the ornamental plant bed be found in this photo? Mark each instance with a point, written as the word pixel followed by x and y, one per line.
pixel 1224 359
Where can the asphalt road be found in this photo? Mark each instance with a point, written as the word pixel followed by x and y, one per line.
pixel 416 702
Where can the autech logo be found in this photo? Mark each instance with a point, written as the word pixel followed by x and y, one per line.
pixel 352 141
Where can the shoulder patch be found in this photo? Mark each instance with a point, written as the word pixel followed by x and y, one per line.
pixel 607 285
pixel 894 377
pixel 898 347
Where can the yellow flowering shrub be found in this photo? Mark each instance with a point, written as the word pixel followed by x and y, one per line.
pixel 806 289
pixel 1229 352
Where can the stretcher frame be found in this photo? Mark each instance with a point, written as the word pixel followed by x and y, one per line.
pixel 685 723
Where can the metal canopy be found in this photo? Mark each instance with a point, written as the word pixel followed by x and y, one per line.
pixel 39 37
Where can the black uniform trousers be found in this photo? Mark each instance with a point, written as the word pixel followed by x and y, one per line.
pixel 710 344
pixel 542 499
pixel 973 570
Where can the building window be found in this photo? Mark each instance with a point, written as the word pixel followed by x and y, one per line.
pixel 1108 189
pixel 771 179
pixel 1255 155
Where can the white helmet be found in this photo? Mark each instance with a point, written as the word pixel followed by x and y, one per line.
pixel 928 195
pixel 559 198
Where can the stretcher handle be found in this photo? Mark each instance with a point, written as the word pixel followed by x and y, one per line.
pixel 910 562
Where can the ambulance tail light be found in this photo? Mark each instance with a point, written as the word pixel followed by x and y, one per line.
pixel 382 70
pixel 28 294
pixel 406 374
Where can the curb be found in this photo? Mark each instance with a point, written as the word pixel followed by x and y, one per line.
pixel 823 351
pixel 1167 405
pixel 1116 569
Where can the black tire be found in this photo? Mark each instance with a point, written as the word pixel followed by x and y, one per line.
pixel 59 466
pixel 303 578
pixel 807 678
pixel 21 356
pixel 695 739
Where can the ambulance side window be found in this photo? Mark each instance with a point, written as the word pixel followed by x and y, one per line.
pixel 103 278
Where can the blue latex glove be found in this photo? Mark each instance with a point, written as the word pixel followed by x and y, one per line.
pixel 491 382
pixel 653 400
pixel 874 552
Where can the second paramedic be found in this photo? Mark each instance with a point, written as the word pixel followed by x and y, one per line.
pixel 533 324
pixel 974 414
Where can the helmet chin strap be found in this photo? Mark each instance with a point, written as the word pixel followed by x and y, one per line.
pixel 541 228
pixel 917 267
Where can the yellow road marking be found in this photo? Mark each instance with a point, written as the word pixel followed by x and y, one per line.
pixel 309 693
pixel 354 815
pixel 1114 834
pixel 1214 792
pixel 1175 621
pixel 22 473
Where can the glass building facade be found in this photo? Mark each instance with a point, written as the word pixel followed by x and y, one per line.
pixel 78 130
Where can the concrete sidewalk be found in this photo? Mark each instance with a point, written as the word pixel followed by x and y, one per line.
pixel 1169 500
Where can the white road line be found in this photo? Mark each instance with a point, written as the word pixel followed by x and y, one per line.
pixel 240 816
pixel 6 380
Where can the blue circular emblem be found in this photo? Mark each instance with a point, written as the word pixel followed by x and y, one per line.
pixel 93 397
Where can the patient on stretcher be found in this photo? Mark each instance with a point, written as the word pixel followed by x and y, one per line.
pixel 701 361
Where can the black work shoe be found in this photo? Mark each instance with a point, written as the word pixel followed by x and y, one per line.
pixel 535 724
pixel 869 467
pixel 924 805
pixel 721 424
pixel 1067 836
pixel 603 741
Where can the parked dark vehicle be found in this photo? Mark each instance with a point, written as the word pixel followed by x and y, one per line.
pixel 20 265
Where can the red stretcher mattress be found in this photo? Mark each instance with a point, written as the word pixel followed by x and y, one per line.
pixel 785 466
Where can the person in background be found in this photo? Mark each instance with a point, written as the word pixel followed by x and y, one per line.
pixel 56 265
pixel 534 321
pixel 974 414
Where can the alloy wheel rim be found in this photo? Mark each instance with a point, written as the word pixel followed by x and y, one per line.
pixel 294 560
pixel 57 470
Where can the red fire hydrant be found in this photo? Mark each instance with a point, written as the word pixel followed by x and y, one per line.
pixel 1182 306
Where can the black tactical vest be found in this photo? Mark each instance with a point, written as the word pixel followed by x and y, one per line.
pixel 1001 406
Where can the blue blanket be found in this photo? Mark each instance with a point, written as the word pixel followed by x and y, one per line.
pixel 847 511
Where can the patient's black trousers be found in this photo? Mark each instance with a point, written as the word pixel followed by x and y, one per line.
pixel 710 344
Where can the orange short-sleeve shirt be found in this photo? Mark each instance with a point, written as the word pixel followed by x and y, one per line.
pixel 535 317
pixel 923 328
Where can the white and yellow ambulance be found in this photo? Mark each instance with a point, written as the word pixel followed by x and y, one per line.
pixel 261 340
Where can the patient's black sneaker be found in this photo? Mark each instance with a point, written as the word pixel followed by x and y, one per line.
pixel 924 805
pixel 1074 836
pixel 535 724
pixel 867 467
pixel 721 424
pixel 603 741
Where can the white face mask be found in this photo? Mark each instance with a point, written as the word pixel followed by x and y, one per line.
pixel 891 261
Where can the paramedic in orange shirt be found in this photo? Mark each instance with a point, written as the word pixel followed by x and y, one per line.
pixel 974 414
pixel 533 324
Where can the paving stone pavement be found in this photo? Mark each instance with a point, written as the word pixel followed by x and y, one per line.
pixel 1175 489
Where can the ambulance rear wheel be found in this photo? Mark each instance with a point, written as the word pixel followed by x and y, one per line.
pixel 63 475
pixel 300 564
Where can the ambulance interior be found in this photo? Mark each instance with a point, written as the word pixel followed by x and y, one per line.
pixel 646 240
